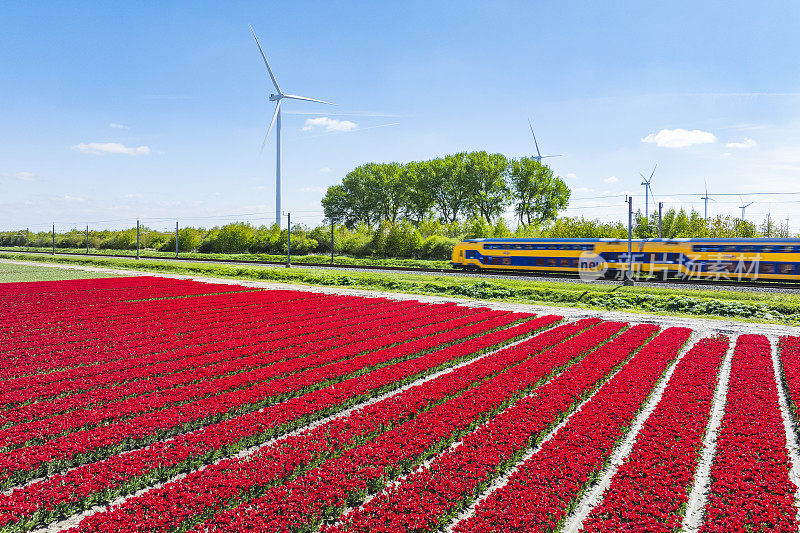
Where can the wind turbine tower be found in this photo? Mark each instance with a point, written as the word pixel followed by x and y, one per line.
pixel 538 157
pixel 278 97
pixel 744 206
pixel 647 192
pixel 706 198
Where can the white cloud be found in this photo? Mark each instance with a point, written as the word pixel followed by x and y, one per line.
pixel 69 198
pixel 330 124
pixel 133 195
pixel 259 187
pixel 571 176
pixel 110 148
pixel 22 176
pixel 116 126
pixel 611 179
pixel 325 169
pixel 319 190
pixel 747 143
pixel 583 189
pixel 680 138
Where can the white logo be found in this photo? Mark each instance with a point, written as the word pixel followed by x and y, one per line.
pixel 591 266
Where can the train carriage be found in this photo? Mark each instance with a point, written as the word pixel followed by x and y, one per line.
pixel 739 259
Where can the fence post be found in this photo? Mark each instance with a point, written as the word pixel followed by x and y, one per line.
pixel 137 238
pixel 331 240
pixel 629 278
pixel 289 240
pixel 54 240
pixel 87 239
pixel 660 206
pixel 176 238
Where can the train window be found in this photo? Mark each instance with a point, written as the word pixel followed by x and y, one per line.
pixel 786 268
pixel 729 248
pixel 518 247
pixel 748 248
pixel 766 268
pixel 767 249
pixel 540 261
pixel 566 261
pixel 787 249
pixel 506 260
pixel 552 261
pixel 552 247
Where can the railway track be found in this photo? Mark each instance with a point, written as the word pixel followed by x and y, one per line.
pixel 533 275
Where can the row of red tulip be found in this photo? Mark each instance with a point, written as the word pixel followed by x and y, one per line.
pixel 227 343
pixel 22 464
pixel 172 505
pixel 84 486
pixel 73 300
pixel 232 323
pixel 650 490
pixel 545 487
pixel 751 489
pixel 84 339
pixel 326 490
pixel 182 387
pixel 464 470
pixel 103 381
pixel 789 348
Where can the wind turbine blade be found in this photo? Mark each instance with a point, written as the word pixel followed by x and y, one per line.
pixel 653 172
pixel 553 155
pixel 295 97
pixel 538 153
pixel 271 75
pixel 274 116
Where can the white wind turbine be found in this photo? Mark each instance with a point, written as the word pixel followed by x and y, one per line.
pixel 647 192
pixel 276 117
pixel 538 157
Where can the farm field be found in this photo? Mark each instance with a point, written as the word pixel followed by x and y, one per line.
pixel 158 405
pixel 16 272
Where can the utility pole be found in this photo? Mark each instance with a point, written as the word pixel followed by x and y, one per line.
pixel 660 207
pixel 288 240
pixel 54 239
pixel 629 278
pixel 27 237
pixel 176 238
pixel 87 239
pixel 332 238
pixel 769 224
pixel 137 238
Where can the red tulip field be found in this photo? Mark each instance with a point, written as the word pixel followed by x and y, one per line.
pixel 149 404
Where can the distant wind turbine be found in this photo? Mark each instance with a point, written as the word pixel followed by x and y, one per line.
pixel 743 206
pixel 538 157
pixel 276 117
pixel 706 198
pixel 647 190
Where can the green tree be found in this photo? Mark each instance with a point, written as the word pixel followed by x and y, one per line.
pixel 417 176
pixel 485 176
pixel 448 185
pixel 538 194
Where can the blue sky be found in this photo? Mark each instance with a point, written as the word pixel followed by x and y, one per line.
pixel 111 111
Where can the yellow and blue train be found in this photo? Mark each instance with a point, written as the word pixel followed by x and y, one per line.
pixel 740 259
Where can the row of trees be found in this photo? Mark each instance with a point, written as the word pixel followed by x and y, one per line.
pixel 428 239
pixel 458 187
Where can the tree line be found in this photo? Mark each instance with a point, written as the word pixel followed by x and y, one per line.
pixel 458 187
pixel 428 239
